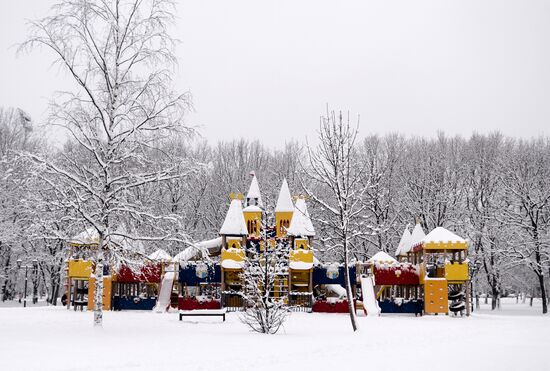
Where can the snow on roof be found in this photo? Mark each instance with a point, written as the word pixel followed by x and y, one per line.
pixel 300 224
pixel 284 201
pixel 234 223
pixel 211 245
pixel 189 253
pixel 416 238
pixel 404 242
pixel 160 255
pixel 200 249
pixel 91 237
pixel 382 257
pixel 441 234
pixel 232 264
pixel 252 208
pixel 87 237
pixel 254 192
pixel 300 265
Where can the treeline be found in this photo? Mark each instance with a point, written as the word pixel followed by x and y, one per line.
pixel 492 189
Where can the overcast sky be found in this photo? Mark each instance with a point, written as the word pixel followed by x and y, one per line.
pixel 266 69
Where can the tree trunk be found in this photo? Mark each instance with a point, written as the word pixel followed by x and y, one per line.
pixel 35 284
pixel 5 286
pixel 98 290
pixel 543 293
pixel 55 284
pixel 494 298
pixel 351 306
pixel 54 294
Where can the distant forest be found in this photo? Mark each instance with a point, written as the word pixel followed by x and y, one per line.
pixel 493 190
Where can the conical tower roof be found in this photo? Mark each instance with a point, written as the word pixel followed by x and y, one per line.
pixel 254 193
pixel 300 225
pixel 416 238
pixel 404 243
pixel 284 201
pixel 234 224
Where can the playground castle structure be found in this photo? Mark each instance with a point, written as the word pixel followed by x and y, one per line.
pixel 430 274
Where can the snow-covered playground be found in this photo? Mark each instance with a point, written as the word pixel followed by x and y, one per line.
pixel 54 338
pixel 283 186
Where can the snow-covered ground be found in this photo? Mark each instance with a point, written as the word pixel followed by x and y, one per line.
pixel 52 338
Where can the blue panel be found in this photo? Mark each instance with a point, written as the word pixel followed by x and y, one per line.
pixel 415 306
pixel 188 275
pixel 320 276
pixel 131 303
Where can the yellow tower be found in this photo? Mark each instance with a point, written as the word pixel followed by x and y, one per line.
pixel 283 211
pixel 233 230
pixel 445 272
pixel 233 233
pixel 253 210
pixel 301 233
pixel 80 282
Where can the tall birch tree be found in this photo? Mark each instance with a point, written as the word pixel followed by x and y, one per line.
pixel 119 55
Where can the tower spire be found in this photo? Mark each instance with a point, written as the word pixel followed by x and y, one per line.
pixel 254 197
pixel 284 201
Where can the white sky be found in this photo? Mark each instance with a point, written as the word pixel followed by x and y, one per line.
pixel 266 69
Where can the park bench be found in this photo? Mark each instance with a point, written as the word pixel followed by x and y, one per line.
pixel 203 312
pixel 79 304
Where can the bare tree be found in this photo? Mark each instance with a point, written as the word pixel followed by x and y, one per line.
pixel 119 56
pixel 383 182
pixel 333 179
pixel 483 202
pixel 16 134
pixel 434 186
pixel 526 180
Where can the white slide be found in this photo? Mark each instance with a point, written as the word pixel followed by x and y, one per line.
pixel 163 302
pixel 370 305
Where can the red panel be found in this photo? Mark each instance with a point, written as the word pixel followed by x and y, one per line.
pixel 148 273
pixel 418 247
pixel 403 274
pixel 192 303
pixel 323 306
